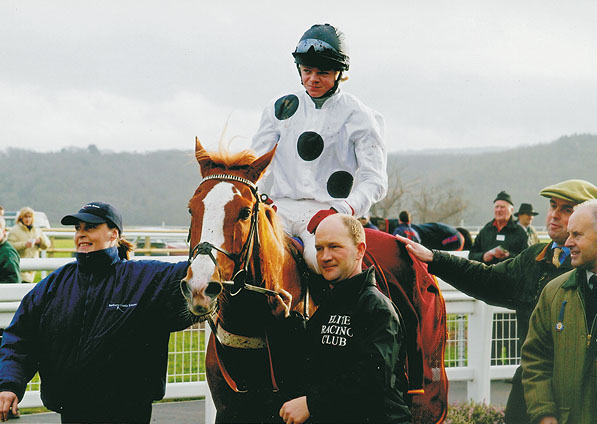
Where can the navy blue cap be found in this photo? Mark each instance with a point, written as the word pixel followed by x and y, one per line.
pixel 95 213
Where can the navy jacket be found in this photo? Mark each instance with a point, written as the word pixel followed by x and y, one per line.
pixel 97 331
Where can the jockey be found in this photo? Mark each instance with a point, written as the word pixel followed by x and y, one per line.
pixel 331 156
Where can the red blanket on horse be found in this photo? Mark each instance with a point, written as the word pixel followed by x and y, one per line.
pixel 422 306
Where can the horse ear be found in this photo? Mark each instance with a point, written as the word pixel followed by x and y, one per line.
pixel 260 164
pixel 202 157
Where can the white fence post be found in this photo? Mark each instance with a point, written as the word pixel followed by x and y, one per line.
pixel 479 352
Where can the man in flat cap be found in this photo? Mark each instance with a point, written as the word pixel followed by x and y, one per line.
pixel 516 283
pixel 500 238
pixel 525 217
pixel 559 355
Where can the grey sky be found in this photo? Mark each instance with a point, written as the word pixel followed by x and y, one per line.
pixel 147 75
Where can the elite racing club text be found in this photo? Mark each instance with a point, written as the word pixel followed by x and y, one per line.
pixel 336 331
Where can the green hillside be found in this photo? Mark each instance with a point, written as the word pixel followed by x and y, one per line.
pixel 154 188
pixel 522 172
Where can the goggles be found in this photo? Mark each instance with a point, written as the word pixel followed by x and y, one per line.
pixel 311 43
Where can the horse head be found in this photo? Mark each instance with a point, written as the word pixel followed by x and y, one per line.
pixel 230 229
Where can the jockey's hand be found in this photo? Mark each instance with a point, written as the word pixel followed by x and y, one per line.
pixel 420 251
pixel 8 401
pixel 295 411
pixel 318 217
pixel 280 304
pixel 270 202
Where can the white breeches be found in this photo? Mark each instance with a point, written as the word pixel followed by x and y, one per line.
pixel 295 215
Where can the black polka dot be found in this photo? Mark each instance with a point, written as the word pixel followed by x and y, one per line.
pixel 309 145
pixel 285 106
pixel 340 184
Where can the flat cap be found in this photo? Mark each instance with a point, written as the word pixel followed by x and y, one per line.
pixel 576 191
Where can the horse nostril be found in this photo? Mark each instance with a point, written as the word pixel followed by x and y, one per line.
pixel 213 289
pixel 186 290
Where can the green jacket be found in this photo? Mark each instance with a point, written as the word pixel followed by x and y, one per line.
pixel 559 357
pixel 10 271
pixel 515 283
pixel 512 237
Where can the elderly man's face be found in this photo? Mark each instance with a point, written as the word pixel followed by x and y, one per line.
pixel 502 210
pixel 582 239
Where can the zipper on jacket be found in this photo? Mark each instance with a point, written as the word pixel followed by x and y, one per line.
pixel 84 317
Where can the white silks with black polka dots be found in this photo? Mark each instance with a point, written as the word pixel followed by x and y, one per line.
pixel 335 155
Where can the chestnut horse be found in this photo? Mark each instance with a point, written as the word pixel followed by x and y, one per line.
pixel 240 257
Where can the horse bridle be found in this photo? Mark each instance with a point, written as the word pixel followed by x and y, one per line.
pixel 241 260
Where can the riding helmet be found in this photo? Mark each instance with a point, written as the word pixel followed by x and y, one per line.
pixel 323 47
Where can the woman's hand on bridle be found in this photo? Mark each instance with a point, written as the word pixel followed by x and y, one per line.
pixel 280 304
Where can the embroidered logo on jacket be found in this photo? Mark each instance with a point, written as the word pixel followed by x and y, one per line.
pixel 337 331
pixel 121 306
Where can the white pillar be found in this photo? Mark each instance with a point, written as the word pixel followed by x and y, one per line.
pixel 479 352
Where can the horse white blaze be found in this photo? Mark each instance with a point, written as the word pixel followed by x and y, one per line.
pixel 203 268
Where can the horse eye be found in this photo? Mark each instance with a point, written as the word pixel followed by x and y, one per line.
pixel 245 213
pixel 190 212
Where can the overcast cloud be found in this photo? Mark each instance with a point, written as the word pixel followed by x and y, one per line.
pixel 147 75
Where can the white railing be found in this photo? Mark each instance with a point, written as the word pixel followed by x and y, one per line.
pixel 468 355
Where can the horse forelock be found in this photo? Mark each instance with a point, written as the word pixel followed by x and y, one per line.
pixel 226 160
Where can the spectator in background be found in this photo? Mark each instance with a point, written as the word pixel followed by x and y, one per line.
pixel 525 216
pixel 27 239
pixel 1 210
pixel 500 238
pixel 365 221
pixel 10 271
pixel 405 229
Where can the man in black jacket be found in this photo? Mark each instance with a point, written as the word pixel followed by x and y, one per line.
pixel 500 238
pixel 516 283
pixel 355 370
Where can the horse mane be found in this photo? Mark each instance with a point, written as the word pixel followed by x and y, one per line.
pixel 273 246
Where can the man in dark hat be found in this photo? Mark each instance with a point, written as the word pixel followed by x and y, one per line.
pixel 516 283
pixel 500 238
pixel 525 216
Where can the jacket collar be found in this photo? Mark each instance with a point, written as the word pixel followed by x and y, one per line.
pixel 546 255
pixel 354 284
pixel 328 101
pixel 575 279
pixel 98 260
